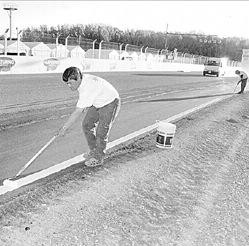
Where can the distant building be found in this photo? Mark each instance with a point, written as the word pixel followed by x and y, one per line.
pixel 142 57
pixel 13 47
pixel 125 56
pixel 104 54
pixel 38 49
pixel 150 57
pixel 114 55
pixel 58 50
pixel 1 49
pixel 90 53
pixel 134 56
pixel 76 51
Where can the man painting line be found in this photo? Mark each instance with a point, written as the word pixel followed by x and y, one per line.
pixel 101 102
pixel 243 80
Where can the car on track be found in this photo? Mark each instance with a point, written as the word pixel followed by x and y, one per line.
pixel 213 66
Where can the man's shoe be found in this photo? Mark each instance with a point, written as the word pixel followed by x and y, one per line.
pixel 93 162
pixel 239 92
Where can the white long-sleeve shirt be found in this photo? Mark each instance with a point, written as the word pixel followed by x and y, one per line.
pixel 95 91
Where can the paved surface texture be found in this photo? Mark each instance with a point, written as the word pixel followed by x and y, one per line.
pixel 194 194
pixel 36 106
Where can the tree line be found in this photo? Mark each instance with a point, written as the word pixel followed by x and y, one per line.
pixel 192 43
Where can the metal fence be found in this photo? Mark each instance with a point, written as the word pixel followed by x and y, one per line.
pixel 102 49
pixel 152 51
pixel 132 48
pixel 109 46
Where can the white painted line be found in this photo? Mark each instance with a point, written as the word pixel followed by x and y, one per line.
pixel 56 168
pixel 41 174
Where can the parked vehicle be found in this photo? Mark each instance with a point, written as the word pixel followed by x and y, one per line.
pixel 213 66
pixel 129 58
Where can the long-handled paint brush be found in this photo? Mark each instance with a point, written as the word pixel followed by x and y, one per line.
pixel 9 182
pixel 235 88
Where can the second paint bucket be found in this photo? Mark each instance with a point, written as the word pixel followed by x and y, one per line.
pixel 165 134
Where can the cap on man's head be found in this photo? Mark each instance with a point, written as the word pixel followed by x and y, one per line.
pixel 71 73
pixel 237 72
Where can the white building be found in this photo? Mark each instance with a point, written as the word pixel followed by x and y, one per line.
pixel 142 57
pixel 38 49
pixel 14 47
pixel 76 51
pixel 1 49
pixel 58 50
pixel 150 57
pixel 125 56
pixel 114 55
pixel 134 56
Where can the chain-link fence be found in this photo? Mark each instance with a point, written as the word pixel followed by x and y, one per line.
pixel 152 51
pixel 48 40
pixel 132 48
pixel 110 46
pixel 86 44
pixel 112 50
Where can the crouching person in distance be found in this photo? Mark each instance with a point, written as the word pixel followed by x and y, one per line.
pixel 243 80
pixel 101 102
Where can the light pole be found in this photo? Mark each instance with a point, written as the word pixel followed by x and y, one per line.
pixel 120 50
pixel 141 50
pixel 66 40
pixel 18 40
pixel 57 39
pixel 93 47
pixel 100 47
pixel 126 47
pixel 57 43
pixel 145 51
pixel 10 8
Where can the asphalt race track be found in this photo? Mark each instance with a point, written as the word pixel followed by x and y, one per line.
pixel 33 107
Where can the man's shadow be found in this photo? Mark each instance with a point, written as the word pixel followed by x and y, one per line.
pixel 184 98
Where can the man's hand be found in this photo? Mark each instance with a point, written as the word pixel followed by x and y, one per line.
pixel 73 117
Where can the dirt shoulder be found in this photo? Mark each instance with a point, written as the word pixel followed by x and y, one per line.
pixel 193 194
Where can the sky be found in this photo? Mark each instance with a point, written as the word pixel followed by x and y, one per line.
pixel 221 18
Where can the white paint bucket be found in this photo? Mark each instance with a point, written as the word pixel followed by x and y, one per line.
pixel 165 134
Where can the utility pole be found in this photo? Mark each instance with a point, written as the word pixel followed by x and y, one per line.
pixel 10 8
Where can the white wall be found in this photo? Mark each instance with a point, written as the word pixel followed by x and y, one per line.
pixel 28 64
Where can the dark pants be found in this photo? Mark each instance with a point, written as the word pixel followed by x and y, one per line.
pixel 243 85
pixel 97 124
